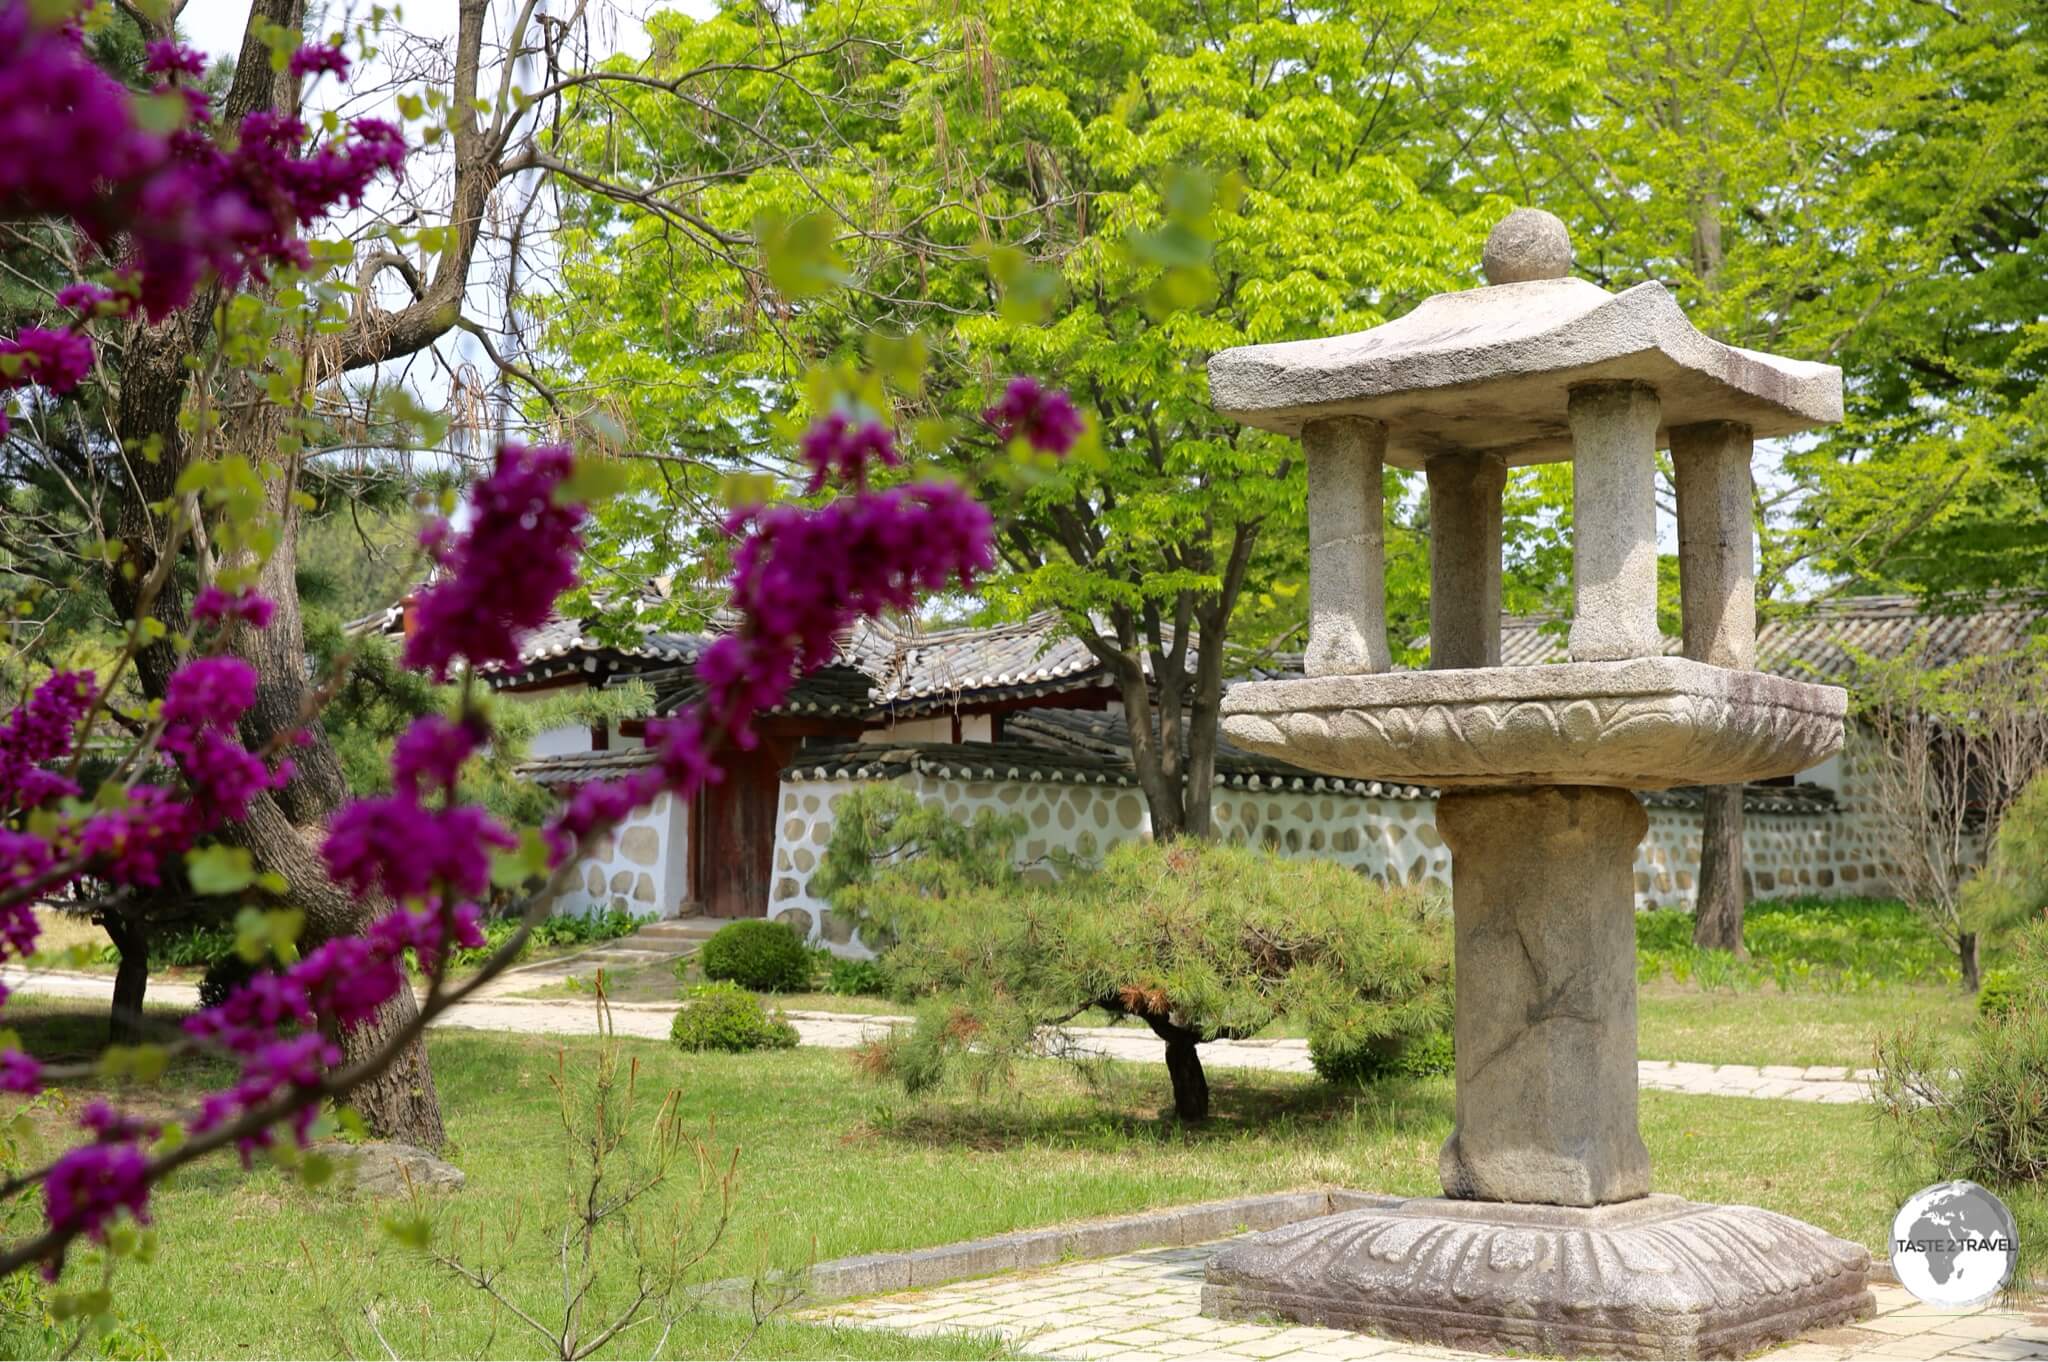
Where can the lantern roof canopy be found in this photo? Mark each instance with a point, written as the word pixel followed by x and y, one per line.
pixel 1490 368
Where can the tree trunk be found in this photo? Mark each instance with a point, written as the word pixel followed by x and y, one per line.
pixel 400 1103
pixel 131 979
pixel 1190 1085
pixel 1966 952
pixel 1717 915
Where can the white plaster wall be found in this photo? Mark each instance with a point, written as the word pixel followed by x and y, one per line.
pixel 642 868
pixel 561 741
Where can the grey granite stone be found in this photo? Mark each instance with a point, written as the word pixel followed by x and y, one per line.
pixel 1464 559
pixel 1347 592
pixel 1654 1277
pixel 1648 723
pixel 1614 522
pixel 1490 368
pixel 381 1168
pixel 1716 542
pixel 1546 1049
pixel 1527 244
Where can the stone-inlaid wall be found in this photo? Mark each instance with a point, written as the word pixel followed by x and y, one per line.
pixel 1387 837
pixel 642 868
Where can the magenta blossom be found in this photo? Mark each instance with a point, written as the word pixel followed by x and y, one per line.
pixel 835 448
pixel 167 58
pixel 87 1187
pixel 1045 420
pixel 57 360
pixel 215 606
pixel 505 570
pixel 318 59
pixel 428 756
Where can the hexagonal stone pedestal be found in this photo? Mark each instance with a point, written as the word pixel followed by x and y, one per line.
pixel 1655 1277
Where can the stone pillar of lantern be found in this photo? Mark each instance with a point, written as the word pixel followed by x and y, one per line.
pixel 1347 590
pixel 1546 1051
pixel 1614 521
pixel 1716 542
pixel 1464 558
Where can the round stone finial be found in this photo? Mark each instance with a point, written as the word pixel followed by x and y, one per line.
pixel 1528 244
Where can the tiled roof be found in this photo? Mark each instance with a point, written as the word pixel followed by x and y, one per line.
pixel 921 670
pixel 831 690
pixel 1815 644
pixel 575 768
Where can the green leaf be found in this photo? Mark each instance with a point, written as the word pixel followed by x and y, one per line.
pixel 511 869
pixel 219 869
pixel 801 257
pixel 592 481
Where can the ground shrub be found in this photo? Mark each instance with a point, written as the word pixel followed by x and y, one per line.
pixel 1360 1062
pixel 223 977
pixel 2001 992
pixel 757 954
pixel 726 1016
pixel 853 978
pixel 1978 1109
pixel 563 929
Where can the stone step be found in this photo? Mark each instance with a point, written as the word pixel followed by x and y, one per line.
pixel 682 928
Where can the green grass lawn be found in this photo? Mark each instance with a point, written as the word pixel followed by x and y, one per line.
pixel 1676 1021
pixel 830 1164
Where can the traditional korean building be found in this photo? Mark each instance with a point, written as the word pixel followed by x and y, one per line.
pixel 1020 719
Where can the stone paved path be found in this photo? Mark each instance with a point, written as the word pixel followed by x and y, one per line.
pixel 833 1030
pixel 1145 1307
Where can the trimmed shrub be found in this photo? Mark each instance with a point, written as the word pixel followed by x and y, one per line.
pixel 1358 1063
pixel 724 1016
pixel 757 954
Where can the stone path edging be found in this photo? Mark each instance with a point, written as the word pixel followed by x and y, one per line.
pixel 1175 1227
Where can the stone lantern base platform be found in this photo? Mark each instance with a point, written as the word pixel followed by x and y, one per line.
pixel 1655 1277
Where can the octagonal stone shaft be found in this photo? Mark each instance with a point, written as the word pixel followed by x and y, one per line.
pixel 1347 574
pixel 1543 892
pixel 1716 542
pixel 1614 521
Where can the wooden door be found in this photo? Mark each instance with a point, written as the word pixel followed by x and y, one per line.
pixel 734 832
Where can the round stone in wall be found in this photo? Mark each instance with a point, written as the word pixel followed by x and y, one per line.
pixel 838 927
pixel 1528 244
pixel 643 888
pixel 797 920
pixel 640 845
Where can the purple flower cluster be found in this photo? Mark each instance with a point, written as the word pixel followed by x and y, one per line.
pixel 87 1187
pixel 835 448
pixel 214 606
pixel 503 572
pixel 56 360
pixel 181 203
pixel 1043 418
pixel 37 733
pixel 317 59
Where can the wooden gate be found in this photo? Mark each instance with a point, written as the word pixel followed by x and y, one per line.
pixel 732 831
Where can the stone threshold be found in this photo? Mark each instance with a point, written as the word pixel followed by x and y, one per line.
pixel 874 1274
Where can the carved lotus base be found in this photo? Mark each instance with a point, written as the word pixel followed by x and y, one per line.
pixel 1644 724
pixel 1655 1277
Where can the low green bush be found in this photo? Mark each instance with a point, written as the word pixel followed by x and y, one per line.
pixel 854 978
pixel 1976 1108
pixel 725 1016
pixel 223 977
pixel 1358 1063
pixel 754 953
pixel 2001 991
pixel 565 929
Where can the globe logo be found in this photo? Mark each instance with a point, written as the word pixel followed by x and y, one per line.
pixel 1954 1244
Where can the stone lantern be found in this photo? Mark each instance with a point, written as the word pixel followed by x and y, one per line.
pixel 1548 1237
